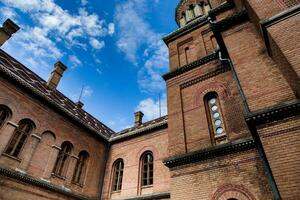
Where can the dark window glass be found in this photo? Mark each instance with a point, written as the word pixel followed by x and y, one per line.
pixel 118 175
pixel 80 167
pixel 19 138
pixel 147 172
pixel 62 159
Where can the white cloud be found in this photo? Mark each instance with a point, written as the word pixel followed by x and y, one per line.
pixel 96 43
pixel 134 34
pixel 87 91
pixel 111 28
pixel 8 13
pixel 99 71
pixel 74 61
pixel 150 108
pixel 84 2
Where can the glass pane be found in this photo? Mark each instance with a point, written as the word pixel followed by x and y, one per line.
pixel 214 108
pixel 216 115
pixel 220 130
pixel 213 101
pixel 218 122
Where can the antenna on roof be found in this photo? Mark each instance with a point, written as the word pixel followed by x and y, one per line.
pixel 81 92
pixel 159 104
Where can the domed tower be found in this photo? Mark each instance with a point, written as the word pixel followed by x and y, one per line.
pixel 222 86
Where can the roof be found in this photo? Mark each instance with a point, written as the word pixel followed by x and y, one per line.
pixel 145 127
pixel 22 74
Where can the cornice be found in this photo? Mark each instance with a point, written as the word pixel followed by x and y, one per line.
pixel 288 109
pixel 221 69
pixel 229 22
pixel 139 132
pixel 190 66
pixel 24 178
pixel 51 102
pixel 210 153
pixel 161 195
pixel 198 22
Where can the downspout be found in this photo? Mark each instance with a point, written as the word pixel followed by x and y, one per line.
pixel 252 127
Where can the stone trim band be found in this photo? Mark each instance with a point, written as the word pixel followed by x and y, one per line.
pixel 39 183
pixel 190 66
pixel 212 152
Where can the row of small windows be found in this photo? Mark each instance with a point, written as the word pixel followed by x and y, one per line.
pixel 19 138
pixel 194 11
pixel 146 172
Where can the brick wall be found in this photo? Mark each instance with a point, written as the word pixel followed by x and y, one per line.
pixel 131 151
pixel 281 141
pixel 39 162
pixel 237 176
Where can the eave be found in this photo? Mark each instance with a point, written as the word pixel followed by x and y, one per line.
pixel 190 66
pixel 210 153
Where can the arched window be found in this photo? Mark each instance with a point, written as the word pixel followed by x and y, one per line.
pixel 232 199
pixel 214 115
pixel 4 114
pixel 60 167
pixel 81 166
pixel 19 138
pixel 118 175
pixel 147 169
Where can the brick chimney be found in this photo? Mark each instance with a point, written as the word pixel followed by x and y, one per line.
pixel 59 69
pixel 138 118
pixel 79 104
pixel 8 28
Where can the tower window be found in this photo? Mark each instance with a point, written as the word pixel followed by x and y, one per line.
pixel 19 138
pixel 81 166
pixel 214 116
pixel 118 175
pixel 60 167
pixel 187 54
pixel 147 169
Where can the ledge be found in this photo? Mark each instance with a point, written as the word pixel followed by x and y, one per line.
pixel 210 153
pixel 186 29
pixel 229 22
pixel 138 132
pixel 285 110
pixel 190 66
pixel 229 4
pixel 162 195
pixel 265 24
pixel 39 183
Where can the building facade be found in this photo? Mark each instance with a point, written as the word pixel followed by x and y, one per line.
pixel 232 130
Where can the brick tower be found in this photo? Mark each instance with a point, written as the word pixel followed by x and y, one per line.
pixel 233 100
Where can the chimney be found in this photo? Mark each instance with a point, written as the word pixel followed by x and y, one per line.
pixel 138 118
pixel 79 104
pixel 56 75
pixel 8 28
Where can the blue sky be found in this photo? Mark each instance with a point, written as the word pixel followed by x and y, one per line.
pixel 111 47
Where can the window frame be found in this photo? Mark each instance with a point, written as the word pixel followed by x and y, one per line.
pixel 81 168
pixel 216 138
pixel 11 149
pixel 117 176
pixel 5 110
pixel 150 162
pixel 62 160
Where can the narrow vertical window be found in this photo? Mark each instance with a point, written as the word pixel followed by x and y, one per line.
pixel 19 138
pixel 118 175
pixel 215 117
pixel 81 166
pixel 147 169
pixel 186 53
pixel 3 116
pixel 61 163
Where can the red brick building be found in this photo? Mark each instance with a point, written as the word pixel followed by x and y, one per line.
pixel 232 130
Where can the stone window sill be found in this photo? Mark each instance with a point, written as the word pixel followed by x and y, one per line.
pixel 116 192
pixel 147 186
pixel 58 176
pixel 11 157
pixel 78 184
